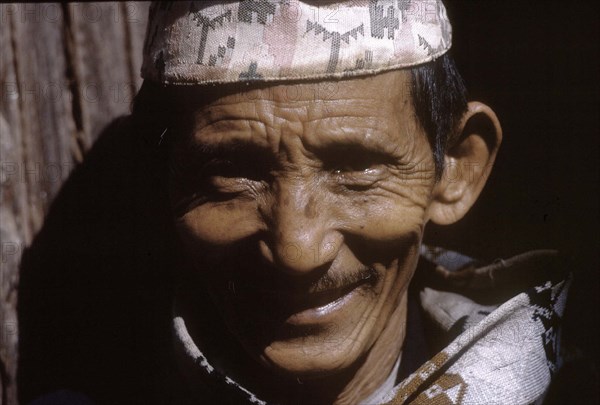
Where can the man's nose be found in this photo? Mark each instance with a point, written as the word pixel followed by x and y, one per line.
pixel 302 233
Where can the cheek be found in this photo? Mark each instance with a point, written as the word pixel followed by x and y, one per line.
pixel 219 224
pixel 388 216
pixel 393 222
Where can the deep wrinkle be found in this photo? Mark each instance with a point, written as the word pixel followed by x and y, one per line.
pixel 344 190
pixel 328 180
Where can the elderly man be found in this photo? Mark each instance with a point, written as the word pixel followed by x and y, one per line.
pixel 306 145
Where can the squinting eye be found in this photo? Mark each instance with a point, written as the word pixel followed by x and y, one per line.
pixel 221 168
pixel 356 165
pixel 352 169
pixel 357 171
pixel 216 180
pixel 224 168
pixel 368 170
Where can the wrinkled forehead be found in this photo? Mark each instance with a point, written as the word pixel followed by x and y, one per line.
pixel 393 88
pixel 373 113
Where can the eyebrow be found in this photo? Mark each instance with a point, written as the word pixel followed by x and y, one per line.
pixel 356 142
pixel 234 146
pixel 239 150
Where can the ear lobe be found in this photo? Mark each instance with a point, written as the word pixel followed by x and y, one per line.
pixel 468 163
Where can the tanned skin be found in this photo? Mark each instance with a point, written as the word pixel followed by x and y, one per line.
pixel 303 211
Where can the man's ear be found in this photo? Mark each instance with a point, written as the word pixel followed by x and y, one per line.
pixel 468 163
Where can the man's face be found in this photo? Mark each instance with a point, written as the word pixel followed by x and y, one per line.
pixel 303 207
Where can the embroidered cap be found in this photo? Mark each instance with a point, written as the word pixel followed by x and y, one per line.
pixel 202 42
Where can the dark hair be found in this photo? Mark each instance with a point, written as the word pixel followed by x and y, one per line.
pixel 438 95
pixel 439 99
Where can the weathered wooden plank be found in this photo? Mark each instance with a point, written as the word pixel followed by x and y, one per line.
pixel 37 132
pixel 66 71
pixel 136 19
pixel 45 104
pixel 12 198
pixel 97 44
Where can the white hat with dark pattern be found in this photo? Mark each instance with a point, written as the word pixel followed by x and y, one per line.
pixel 203 42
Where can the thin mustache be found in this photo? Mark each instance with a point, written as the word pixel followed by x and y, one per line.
pixel 326 283
pixel 336 281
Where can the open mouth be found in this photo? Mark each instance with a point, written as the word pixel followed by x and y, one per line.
pixel 318 299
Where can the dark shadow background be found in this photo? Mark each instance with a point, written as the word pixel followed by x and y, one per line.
pixel 94 294
pixel 536 64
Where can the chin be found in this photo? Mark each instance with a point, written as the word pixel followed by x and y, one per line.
pixel 309 351
pixel 310 359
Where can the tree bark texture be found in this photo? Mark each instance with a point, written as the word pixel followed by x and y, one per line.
pixel 66 71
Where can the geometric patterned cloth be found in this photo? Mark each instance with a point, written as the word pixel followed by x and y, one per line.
pixel 509 357
pixel 499 352
pixel 202 42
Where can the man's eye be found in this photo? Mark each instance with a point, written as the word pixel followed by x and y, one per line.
pixel 221 168
pixel 355 165
pixel 231 169
pixel 352 169
pixel 357 170
pixel 217 180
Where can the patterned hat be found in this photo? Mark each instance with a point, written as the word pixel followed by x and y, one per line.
pixel 201 42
